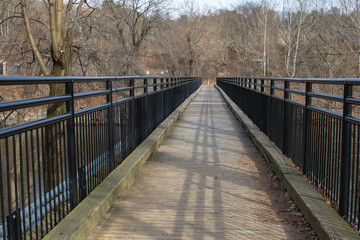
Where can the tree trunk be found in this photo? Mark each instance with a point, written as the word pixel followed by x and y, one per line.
pixel 61 67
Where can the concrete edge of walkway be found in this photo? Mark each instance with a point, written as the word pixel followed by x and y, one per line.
pixel 84 218
pixel 322 217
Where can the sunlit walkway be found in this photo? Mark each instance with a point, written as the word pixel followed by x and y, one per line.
pixel 203 183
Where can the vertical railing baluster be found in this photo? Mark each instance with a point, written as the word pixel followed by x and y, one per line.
pixel 22 190
pixel 28 188
pixel 56 173
pixel 345 153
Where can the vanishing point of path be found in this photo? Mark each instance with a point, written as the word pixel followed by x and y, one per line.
pixel 205 182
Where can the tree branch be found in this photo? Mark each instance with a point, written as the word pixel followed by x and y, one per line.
pixel 35 49
pixel 54 39
pixel 30 19
pixel 78 10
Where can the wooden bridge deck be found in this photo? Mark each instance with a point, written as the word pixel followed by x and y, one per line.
pixel 203 183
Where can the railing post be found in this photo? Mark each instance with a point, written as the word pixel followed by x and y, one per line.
pixel 306 129
pixel 123 134
pixel 162 86
pixel 272 84
pixel 146 110
pixel 73 181
pixel 155 84
pixel 285 122
pixel 345 153
pixel 13 225
pixel 170 94
pixel 110 126
pixel 132 114
pixel 270 108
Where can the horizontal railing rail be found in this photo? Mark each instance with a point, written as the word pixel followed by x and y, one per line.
pixel 47 166
pixel 316 123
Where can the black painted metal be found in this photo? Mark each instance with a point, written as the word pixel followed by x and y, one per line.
pixel 81 146
pixel 345 153
pixel 322 143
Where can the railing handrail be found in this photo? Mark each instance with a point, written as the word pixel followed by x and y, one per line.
pixel 34 102
pixel 21 80
pixel 243 82
pixel 338 81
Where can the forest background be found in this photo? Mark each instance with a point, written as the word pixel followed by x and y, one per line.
pixel 290 38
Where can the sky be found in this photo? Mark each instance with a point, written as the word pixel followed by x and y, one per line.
pixel 216 4
pixel 221 4
pixel 229 4
pixel 210 4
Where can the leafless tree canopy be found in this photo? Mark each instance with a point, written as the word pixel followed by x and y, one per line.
pixel 299 38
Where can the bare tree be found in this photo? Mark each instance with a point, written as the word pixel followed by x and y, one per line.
pixel 251 34
pixel 292 27
pixel 187 45
pixel 131 23
pixel 63 24
pixel 62 21
pixel 10 37
pixel 351 23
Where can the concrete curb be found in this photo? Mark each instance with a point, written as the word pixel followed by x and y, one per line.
pixel 322 217
pixel 79 223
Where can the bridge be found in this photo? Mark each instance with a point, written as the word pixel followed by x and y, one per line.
pixel 167 158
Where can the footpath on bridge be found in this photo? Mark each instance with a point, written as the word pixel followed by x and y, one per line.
pixel 202 183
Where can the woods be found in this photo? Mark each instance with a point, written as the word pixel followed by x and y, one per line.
pixel 287 38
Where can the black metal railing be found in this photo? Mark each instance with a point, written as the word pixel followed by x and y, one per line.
pixel 49 165
pixel 316 123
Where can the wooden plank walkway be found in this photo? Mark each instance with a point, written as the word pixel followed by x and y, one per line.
pixel 203 183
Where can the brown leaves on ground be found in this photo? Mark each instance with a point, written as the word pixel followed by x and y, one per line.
pixel 285 207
